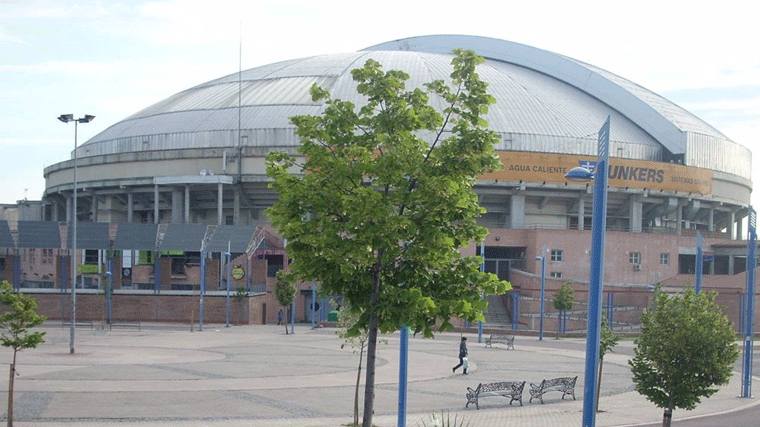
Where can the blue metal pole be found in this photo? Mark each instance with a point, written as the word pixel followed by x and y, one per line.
pixel 313 305
pixel 482 270
pixel 202 288
pixel 402 375
pixel 750 311
pixel 610 307
pixel 698 270
pixel 109 287
pixel 293 317
pixel 515 309
pixel 541 303
pixel 229 277
pixel 157 274
pixel 598 224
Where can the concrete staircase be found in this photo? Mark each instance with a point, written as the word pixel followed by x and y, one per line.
pixel 498 315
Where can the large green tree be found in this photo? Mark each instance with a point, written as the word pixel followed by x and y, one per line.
pixel 686 348
pixel 379 201
pixel 18 318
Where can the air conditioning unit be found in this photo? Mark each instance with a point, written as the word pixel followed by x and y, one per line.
pixel 636 267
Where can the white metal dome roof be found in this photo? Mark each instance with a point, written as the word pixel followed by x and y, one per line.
pixel 545 102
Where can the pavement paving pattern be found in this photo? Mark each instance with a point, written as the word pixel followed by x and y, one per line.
pixel 258 376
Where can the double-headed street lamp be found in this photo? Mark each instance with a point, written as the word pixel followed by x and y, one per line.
pixel 66 118
pixel 598 224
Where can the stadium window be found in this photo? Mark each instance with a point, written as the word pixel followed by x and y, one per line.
pixel 555 275
pixel 664 258
pixel 91 256
pixel 634 257
pixel 557 255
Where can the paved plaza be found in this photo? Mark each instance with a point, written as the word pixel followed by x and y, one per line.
pixel 257 376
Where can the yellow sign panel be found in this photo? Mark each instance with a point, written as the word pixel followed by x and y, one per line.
pixel 655 176
pixel 238 272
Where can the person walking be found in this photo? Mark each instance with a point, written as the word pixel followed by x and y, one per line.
pixel 462 357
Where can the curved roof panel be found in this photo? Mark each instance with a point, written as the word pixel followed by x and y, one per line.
pixel 662 119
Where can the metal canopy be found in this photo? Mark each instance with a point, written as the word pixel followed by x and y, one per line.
pixel 92 235
pixel 238 237
pixel 183 237
pixel 6 239
pixel 136 236
pixel 39 234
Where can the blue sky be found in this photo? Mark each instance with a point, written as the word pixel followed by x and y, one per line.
pixel 111 59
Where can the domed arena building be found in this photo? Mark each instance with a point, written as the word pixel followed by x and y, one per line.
pixel 196 160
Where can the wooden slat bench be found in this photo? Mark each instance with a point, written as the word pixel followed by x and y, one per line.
pixel 566 385
pixel 509 340
pixel 511 389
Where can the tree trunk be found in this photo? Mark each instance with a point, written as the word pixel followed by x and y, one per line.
pixel 356 391
pixel 599 383
pixel 285 321
pixel 10 390
pixel 667 416
pixel 369 383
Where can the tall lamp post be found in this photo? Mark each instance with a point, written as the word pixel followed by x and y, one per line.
pixel 542 258
pixel 598 223
pixel 66 118
pixel 749 322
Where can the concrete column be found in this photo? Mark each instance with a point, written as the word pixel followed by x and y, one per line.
pixel 679 218
pixel 176 205
pixel 711 219
pixel 94 208
pixel 220 197
pixel 732 228
pixel 187 204
pixel 636 215
pixel 517 211
pixel 731 264
pixel 69 202
pixel 130 207
pixel 581 213
pixel 155 203
pixel 739 229
pixel 236 208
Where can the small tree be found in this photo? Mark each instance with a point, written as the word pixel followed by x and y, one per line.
pixel 240 296
pixel 607 341
pixel 563 301
pixel 686 348
pixel 379 200
pixel 19 318
pixel 285 291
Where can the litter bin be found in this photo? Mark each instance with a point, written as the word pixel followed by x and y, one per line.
pixel 332 316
